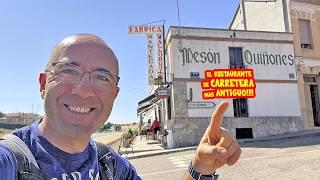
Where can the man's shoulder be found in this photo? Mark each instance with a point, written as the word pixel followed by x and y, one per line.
pixel 5 153
pixel 8 164
pixel 25 133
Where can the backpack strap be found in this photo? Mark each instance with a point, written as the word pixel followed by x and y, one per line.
pixel 27 166
pixel 106 162
pixel 21 147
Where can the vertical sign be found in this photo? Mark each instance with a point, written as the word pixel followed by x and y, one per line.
pixel 160 54
pixel 155 31
pixel 150 54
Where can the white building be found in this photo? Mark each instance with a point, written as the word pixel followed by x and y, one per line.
pixel 191 51
pixel 301 18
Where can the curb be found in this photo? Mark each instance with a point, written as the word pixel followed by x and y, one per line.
pixel 312 134
pixel 139 151
pixel 161 152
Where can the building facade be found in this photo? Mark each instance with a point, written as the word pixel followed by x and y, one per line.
pixel 191 51
pixel 302 19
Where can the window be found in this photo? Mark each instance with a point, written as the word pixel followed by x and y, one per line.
pixel 309 79
pixel 169 107
pixel 240 107
pixel 305 34
pixel 235 56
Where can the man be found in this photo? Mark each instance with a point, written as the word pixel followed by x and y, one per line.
pixel 79 87
pixel 155 126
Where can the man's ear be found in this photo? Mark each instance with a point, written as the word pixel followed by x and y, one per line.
pixel 42 83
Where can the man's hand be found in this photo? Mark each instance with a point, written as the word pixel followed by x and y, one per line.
pixel 217 146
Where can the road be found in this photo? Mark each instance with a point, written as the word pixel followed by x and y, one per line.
pixel 295 158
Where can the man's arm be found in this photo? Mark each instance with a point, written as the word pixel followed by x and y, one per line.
pixel 7 164
pixel 217 146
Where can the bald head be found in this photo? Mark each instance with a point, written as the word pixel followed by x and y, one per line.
pixel 80 39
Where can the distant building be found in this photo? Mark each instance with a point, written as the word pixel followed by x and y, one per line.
pixel 19 117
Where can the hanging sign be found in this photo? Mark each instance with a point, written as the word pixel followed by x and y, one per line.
pixel 153 32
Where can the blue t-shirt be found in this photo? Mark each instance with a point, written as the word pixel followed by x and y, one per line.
pixel 56 164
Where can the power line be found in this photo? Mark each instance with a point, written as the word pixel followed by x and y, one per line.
pixel 154 22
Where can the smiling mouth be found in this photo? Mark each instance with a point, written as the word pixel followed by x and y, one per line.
pixel 78 109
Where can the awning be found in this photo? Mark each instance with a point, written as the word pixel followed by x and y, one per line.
pixel 146 103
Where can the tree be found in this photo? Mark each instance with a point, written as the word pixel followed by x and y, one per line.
pixel 2 114
pixel 117 127
pixel 130 132
pixel 107 126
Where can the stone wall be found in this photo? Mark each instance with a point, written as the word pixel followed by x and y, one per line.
pixel 265 126
pixel 180 106
pixel 189 131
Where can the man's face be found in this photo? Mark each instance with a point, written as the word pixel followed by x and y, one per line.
pixel 76 109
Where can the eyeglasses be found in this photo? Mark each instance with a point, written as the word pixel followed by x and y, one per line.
pixel 71 73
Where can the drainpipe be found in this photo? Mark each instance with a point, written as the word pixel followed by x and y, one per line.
pixel 285 15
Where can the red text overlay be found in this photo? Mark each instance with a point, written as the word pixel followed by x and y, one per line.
pixel 228 83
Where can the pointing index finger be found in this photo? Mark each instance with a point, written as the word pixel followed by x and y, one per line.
pixel 216 119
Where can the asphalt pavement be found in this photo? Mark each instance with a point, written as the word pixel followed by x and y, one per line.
pixel 295 156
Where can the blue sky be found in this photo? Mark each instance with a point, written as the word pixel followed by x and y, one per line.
pixel 30 29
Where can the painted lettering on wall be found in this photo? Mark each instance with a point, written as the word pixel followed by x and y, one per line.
pixel 267 59
pixel 160 54
pixel 150 59
pixel 136 29
pixel 189 56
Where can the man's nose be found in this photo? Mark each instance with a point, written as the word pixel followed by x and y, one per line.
pixel 84 88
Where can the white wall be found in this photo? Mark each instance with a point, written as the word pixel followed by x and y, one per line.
pixel 271 100
pixel 275 100
pixel 265 16
pixel 197 97
pixel 262 16
pixel 238 22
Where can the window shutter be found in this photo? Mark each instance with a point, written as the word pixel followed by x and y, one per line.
pixel 304 31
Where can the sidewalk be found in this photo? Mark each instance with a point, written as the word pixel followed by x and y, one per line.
pixel 146 148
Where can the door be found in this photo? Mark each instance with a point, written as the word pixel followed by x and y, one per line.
pixel 315 104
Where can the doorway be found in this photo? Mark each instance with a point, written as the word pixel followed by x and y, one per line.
pixel 315 104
